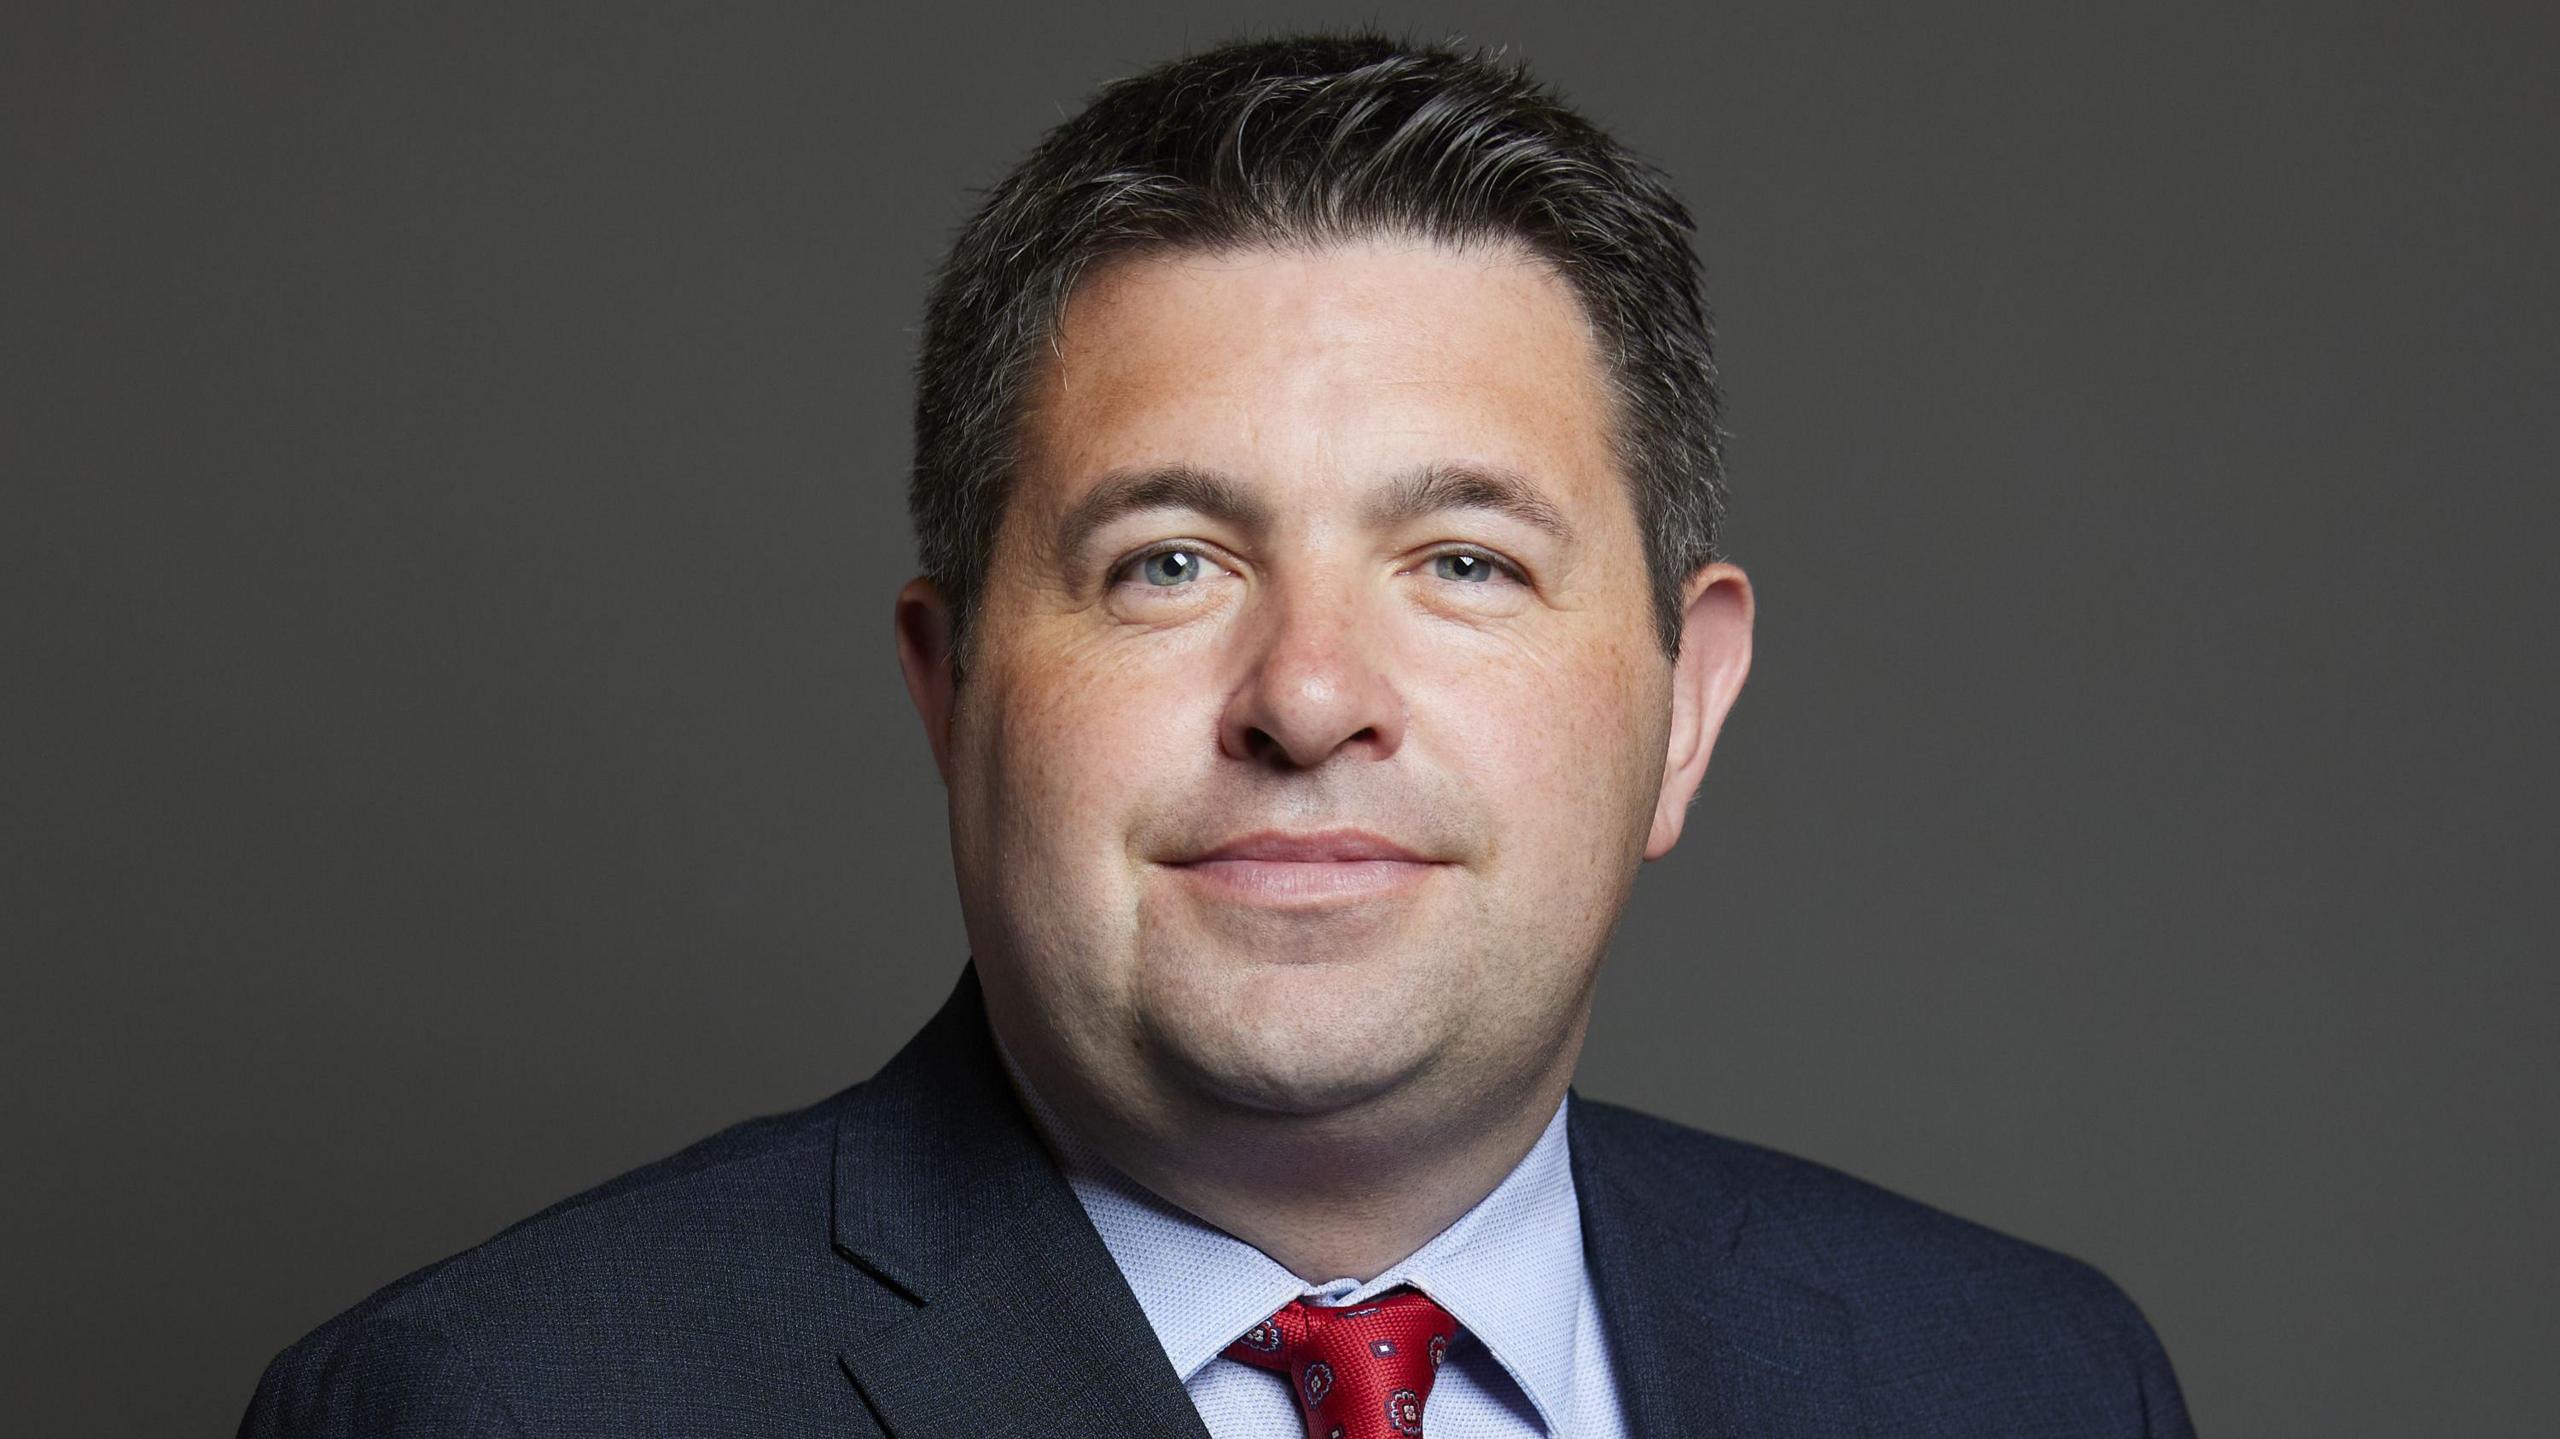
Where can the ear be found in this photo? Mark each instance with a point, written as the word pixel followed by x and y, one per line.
pixel 924 654
pixel 1715 656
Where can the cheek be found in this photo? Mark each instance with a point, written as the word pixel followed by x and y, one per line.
pixel 1080 739
pixel 1569 744
pixel 1063 758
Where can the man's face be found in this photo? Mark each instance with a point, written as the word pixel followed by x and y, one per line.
pixel 1315 725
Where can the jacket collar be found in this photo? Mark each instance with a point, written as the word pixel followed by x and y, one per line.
pixel 1708 1343
pixel 1019 1323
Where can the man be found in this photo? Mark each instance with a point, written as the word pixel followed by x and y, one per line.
pixel 1317 482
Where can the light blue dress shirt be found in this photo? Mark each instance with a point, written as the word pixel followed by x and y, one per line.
pixel 1532 1361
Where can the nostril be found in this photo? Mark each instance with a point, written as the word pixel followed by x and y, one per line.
pixel 1263 746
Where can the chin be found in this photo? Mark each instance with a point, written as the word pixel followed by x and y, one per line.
pixel 1299 1084
pixel 1303 1040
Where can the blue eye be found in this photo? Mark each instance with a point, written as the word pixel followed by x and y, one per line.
pixel 1464 568
pixel 1166 568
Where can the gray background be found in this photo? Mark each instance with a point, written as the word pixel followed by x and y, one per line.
pixel 453 752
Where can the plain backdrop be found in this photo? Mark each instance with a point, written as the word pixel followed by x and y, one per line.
pixel 454 464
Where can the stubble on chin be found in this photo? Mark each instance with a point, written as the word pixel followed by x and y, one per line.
pixel 1293 1019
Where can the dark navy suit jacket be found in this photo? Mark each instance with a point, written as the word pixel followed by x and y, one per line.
pixel 904 1259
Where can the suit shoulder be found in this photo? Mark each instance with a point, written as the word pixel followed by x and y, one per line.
pixel 434 1347
pixel 1944 1311
pixel 1891 1258
pixel 1840 1221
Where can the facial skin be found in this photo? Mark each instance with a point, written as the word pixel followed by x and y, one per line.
pixel 1315 549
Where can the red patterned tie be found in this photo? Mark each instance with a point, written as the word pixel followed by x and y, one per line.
pixel 1359 1373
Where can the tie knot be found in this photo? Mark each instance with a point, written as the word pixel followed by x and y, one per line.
pixel 1360 1372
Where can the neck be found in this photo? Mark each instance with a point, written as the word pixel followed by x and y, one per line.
pixel 1345 1194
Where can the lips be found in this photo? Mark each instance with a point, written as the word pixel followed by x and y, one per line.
pixel 1330 846
pixel 1309 871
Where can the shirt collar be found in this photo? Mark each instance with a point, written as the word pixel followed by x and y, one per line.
pixel 1509 1270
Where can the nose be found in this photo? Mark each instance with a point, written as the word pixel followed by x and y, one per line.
pixel 1314 687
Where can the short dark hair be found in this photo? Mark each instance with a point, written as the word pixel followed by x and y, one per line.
pixel 1306 140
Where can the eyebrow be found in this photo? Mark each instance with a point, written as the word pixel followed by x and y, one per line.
pixel 1171 487
pixel 1410 496
pixel 1435 488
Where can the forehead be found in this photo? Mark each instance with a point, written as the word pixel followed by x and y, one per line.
pixel 1322 369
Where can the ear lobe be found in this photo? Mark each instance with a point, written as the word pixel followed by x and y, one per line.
pixel 1715 658
pixel 923 623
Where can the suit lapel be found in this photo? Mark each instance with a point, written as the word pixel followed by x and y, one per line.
pixel 1708 1345
pixel 1016 1321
